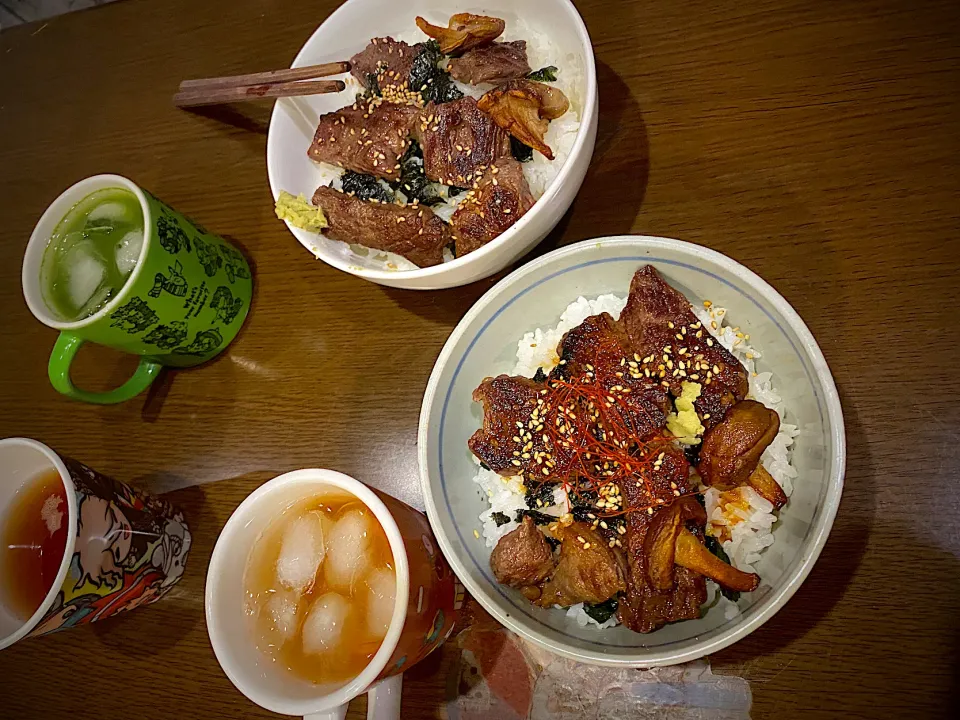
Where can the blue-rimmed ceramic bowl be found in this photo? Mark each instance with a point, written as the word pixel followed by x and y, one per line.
pixel 485 343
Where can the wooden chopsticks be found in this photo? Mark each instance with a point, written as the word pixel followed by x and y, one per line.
pixel 271 84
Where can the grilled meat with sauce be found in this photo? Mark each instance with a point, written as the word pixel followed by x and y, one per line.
pixel 459 142
pixel 491 64
pixel 366 137
pixel 522 557
pixel 409 230
pixel 588 571
pixel 496 202
pixel 386 59
pixel 664 332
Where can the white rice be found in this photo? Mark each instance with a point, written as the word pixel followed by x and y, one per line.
pixel 539 172
pixel 741 513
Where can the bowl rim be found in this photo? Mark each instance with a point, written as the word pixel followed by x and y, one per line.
pixel 779 596
pixel 500 242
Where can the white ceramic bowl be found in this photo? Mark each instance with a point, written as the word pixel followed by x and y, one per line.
pixel 485 343
pixel 345 33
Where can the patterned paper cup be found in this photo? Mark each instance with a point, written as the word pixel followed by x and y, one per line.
pixel 123 549
pixel 428 597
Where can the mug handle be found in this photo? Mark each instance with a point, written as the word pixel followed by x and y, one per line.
pixel 383 702
pixel 65 349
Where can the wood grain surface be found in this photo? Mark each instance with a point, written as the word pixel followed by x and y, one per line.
pixel 815 142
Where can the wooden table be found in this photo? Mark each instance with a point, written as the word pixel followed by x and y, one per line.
pixel 815 142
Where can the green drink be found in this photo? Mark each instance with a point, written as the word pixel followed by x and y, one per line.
pixel 91 253
pixel 109 263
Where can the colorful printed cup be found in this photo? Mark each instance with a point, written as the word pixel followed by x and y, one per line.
pixel 184 302
pixel 428 597
pixel 124 549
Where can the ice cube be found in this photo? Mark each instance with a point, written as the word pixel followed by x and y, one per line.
pixel 381 588
pixel 107 213
pixel 100 298
pixel 323 626
pixel 85 273
pixel 347 547
pixel 282 608
pixel 128 251
pixel 301 551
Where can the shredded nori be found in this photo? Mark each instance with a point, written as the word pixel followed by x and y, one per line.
pixel 500 518
pixel 601 612
pixel 540 375
pixel 373 85
pixel 453 191
pixel 713 545
pixel 544 74
pixel 365 187
pixel 433 84
pixel 693 453
pixel 542 492
pixel 582 513
pixel 521 153
pixel 552 542
pixel 413 182
pixel 538 518
pixel 484 465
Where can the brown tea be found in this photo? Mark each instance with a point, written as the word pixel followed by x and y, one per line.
pixel 34 537
pixel 320 588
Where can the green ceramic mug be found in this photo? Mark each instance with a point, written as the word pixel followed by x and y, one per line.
pixel 183 303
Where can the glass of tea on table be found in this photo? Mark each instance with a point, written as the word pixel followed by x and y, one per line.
pixel 321 588
pixel 76 546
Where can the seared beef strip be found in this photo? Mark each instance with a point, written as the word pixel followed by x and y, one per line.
pixel 510 422
pixel 366 137
pixel 588 570
pixel 459 142
pixel 500 199
pixel 491 64
pixel 594 352
pixel 464 31
pixel 386 58
pixel 732 448
pixel 654 317
pixel 409 230
pixel 528 423
pixel 522 557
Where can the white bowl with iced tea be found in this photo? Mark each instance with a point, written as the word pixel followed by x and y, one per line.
pixel 320 589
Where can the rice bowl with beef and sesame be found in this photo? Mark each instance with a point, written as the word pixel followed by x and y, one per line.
pixel 738 519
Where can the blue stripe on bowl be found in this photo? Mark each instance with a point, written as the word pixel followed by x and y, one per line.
pixel 645 259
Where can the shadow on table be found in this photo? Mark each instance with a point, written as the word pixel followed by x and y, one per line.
pixel 155 397
pixel 250 117
pixel 839 560
pixel 148 631
pixel 443 307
